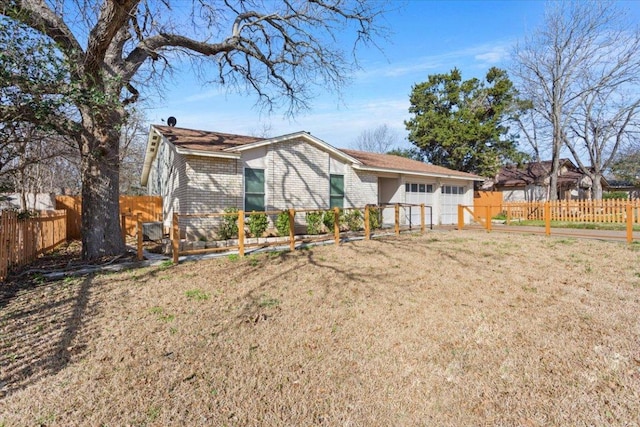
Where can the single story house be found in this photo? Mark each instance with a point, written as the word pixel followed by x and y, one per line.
pixel 198 171
pixel 531 182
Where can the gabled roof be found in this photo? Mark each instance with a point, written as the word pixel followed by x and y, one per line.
pixel 192 139
pixel 537 172
pixel 218 144
pixel 398 164
pixel 529 173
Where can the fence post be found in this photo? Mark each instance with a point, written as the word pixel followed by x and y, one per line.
pixel 139 233
pixel 123 226
pixel 241 233
pixel 336 225
pixel 397 220
pixel 460 217
pixel 547 218
pixel 508 215
pixel 629 223
pixel 175 238
pixel 487 213
pixel 292 236
pixel 422 218
pixel 367 225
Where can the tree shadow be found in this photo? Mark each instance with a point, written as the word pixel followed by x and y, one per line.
pixel 44 329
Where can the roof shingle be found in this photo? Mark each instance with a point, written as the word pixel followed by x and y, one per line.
pixel 390 161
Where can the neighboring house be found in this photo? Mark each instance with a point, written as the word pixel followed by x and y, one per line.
pixel 198 171
pixel 619 186
pixel 531 182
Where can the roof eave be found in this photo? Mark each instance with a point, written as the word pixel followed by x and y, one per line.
pixel 417 173
pixel 153 142
pixel 206 153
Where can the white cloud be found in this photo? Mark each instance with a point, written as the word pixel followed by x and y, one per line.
pixel 496 55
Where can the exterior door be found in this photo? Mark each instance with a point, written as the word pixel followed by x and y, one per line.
pixel 452 196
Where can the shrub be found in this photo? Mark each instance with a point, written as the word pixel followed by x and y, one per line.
pixel 258 223
pixel 500 216
pixel 314 222
pixel 354 220
pixel 282 223
pixel 615 195
pixel 374 218
pixel 328 218
pixel 229 225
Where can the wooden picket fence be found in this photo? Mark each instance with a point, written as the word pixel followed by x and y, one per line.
pixel 598 211
pixel 22 240
pixel 149 208
pixel 623 212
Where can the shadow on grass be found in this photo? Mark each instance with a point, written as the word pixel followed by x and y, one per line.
pixel 40 324
pixel 45 326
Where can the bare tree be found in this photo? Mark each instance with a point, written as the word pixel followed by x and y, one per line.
pixel 33 160
pixel 381 139
pixel 580 51
pixel 133 140
pixel 277 50
pixel 608 115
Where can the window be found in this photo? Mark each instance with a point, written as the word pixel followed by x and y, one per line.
pixel 254 190
pixel 449 189
pixel 418 188
pixel 336 191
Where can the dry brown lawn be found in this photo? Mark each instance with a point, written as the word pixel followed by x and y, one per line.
pixel 445 329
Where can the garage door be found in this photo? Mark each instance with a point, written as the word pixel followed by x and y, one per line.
pixel 417 193
pixel 452 196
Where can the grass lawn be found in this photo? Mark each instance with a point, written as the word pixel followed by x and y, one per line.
pixel 446 329
pixel 573 224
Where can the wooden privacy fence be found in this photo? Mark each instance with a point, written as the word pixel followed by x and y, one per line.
pixel 22 240
pixel 371 220
pixel 482 199
pixel 149 207
pixel 624 212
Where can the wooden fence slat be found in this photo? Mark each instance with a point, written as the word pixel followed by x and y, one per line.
pixel 149 207
pixel 22 241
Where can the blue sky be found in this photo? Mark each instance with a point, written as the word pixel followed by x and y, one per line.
pixel 428 37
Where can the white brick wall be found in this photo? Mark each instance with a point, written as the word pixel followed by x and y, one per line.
pixel 296 176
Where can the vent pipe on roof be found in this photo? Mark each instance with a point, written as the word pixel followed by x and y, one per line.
pixel 171 121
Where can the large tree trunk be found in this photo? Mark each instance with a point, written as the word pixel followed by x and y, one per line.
pixel 101 233
pixel 596 187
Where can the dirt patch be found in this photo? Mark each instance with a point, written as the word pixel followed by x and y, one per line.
pixel 456 328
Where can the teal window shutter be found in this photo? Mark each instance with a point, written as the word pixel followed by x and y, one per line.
pixel 254 190
pixel 336 191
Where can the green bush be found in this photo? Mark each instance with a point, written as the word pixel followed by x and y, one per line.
pixel 375 222
pixel 327 219
pixel 314 222
pixel 282 223
pixel 229 225
pixel 258 224
pixel 615 195
pixel 500 216
pixel 354 220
